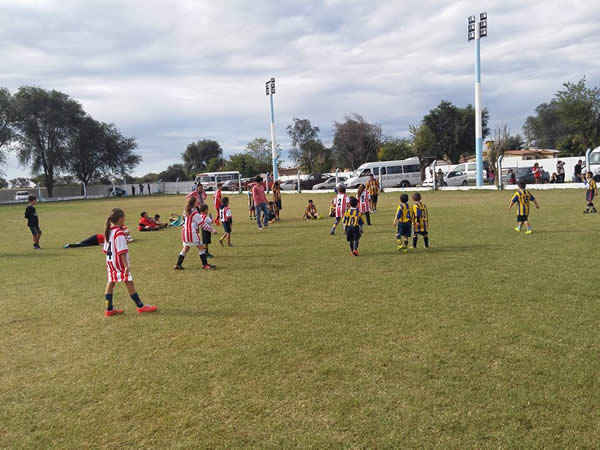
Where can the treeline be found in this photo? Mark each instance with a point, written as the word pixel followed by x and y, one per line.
pixel 50 133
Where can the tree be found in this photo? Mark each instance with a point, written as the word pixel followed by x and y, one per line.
pixel 173 172
pixel 3 183
pixel 356 141
pixel 423 146
pixel 45 124
pixel 98 150
pixel 395 149
pixel 454 129
pixel 197 155
pixel 244 163
pixel 17 183
pixel 308 151
pixel 215 164
pixel 149 178
pixel 7 118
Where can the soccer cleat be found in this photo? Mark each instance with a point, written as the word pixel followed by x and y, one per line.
pixel 209 267
pixel 586 211
pixel 332 233
pixel 221 242
pixel 517 229
pixel 178 267
pixel 66 246
pixel 113 312
pixel 355 252
pixel 229 245
pixel 529 232
pixel 208 255
pixel 146 308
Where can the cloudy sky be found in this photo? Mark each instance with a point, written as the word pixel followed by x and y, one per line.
pixel 170 72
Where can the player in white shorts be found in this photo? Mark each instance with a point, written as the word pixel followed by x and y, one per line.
pixel 342 202
pixel 193 221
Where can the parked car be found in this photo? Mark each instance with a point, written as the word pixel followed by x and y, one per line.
pixel 288 185
pixel 470 169
pixel 117 193
pixel 22 195
pixel 456 178
pixel 230 185
pixel 402 173
pixel 329 183
pixel 525 174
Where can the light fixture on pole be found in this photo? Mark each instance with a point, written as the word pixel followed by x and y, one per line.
pixel 270 90
pixel 476 32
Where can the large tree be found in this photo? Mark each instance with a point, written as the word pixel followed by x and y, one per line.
pixel 454 129
pixel 3 183
pixel 395 149
pixel 244 163
pixel 19 182
pixel 570 122
pixel 356 141
pixel 98 150
pixel 45 124
pixel 198 154
pixel 7 118
pixel 424 146
pixel 173 172
pixel 308 151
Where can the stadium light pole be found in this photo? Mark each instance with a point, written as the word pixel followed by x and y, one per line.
pixel 475 32
pixel 270 90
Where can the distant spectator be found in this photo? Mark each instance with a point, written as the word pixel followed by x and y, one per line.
pixel 560 172
pixel 148 188
pixel 440 178
pixel 146 224
pixel 260 203
pixel 199 194
pixel 577 172
pixel 491 177
pixel 133 190
pixel 537 173
pixel 554 178
pixel 141 186
pixel 512 178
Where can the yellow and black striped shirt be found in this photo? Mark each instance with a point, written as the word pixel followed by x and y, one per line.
pixel 591 186
pixel 373 187
pixel 353 218
pixel 523 198
pixel 403 213
pixel 420 217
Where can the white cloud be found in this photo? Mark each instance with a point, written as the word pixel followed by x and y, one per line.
pixel 172 72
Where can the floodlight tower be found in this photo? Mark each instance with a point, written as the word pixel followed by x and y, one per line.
pixel 476 32
pixel 270 90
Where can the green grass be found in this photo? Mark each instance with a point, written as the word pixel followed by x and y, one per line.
pixel 488 339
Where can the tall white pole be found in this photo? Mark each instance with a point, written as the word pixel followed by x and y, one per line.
pixel 273 143
pixel 478 118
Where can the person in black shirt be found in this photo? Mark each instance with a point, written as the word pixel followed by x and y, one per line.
pixel 577 173
pixel 33 221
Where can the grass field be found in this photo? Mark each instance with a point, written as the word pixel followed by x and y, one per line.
pixel 488 339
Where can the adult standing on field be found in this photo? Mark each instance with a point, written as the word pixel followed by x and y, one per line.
pixel 148 185
pixel 199 194
pixel 577 173
pixel 141 186
pixel 260 203
pixel 373 190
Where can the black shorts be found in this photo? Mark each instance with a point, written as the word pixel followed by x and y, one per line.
pixel 35 229
pixel 523 218
pixel 404 230
pixel 278 204
pixel 206 237
pixel 374 198
pixel 352 233
pixel 422 233
pixel 226 227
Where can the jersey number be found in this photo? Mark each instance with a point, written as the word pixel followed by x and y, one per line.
pixel 339 202
pixel 109 250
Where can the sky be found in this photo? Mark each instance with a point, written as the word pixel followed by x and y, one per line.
pixel 173 72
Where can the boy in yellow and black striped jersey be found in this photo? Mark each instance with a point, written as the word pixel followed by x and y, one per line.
pixel 420 218
pixel 353 225
pixel 590 193
pixel 522 199
pixel 403 221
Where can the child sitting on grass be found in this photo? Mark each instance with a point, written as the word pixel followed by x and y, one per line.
pixel 310 212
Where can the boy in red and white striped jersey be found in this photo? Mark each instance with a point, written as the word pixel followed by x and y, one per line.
pixel 364 202
pixel 117 263
pixel 342 202
pixel 193 222
pixel 226 219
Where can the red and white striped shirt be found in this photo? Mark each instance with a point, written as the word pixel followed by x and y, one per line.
pixel 114 247
pixel 341 204
pixel 363 205
pixel 225 214
pixel 191 224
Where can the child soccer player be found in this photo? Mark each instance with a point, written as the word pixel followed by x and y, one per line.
pixel 251 208
pixel 420 217
pixel 33 222
pixel 218 201
pixel 206 233
pixel 193 221
pixel 353 224
pixel 341 204
pixel 590 193
pixel 364 201
pixel 272 213
pixel 523 197
pixel 403 222
pixel 226 220
pixel 310 212
pixel 117 264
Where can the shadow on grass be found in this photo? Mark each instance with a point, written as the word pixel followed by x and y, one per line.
pixel 200 313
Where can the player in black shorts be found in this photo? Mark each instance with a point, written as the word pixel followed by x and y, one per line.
pixel 33 222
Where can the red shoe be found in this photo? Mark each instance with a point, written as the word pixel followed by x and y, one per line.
pixel 113 312
pixel 146 308
pixel 209 267
pixel 355 252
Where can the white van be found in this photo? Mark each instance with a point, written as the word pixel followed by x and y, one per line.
pixel 210 179
pixel 403 173
pixel 594 164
